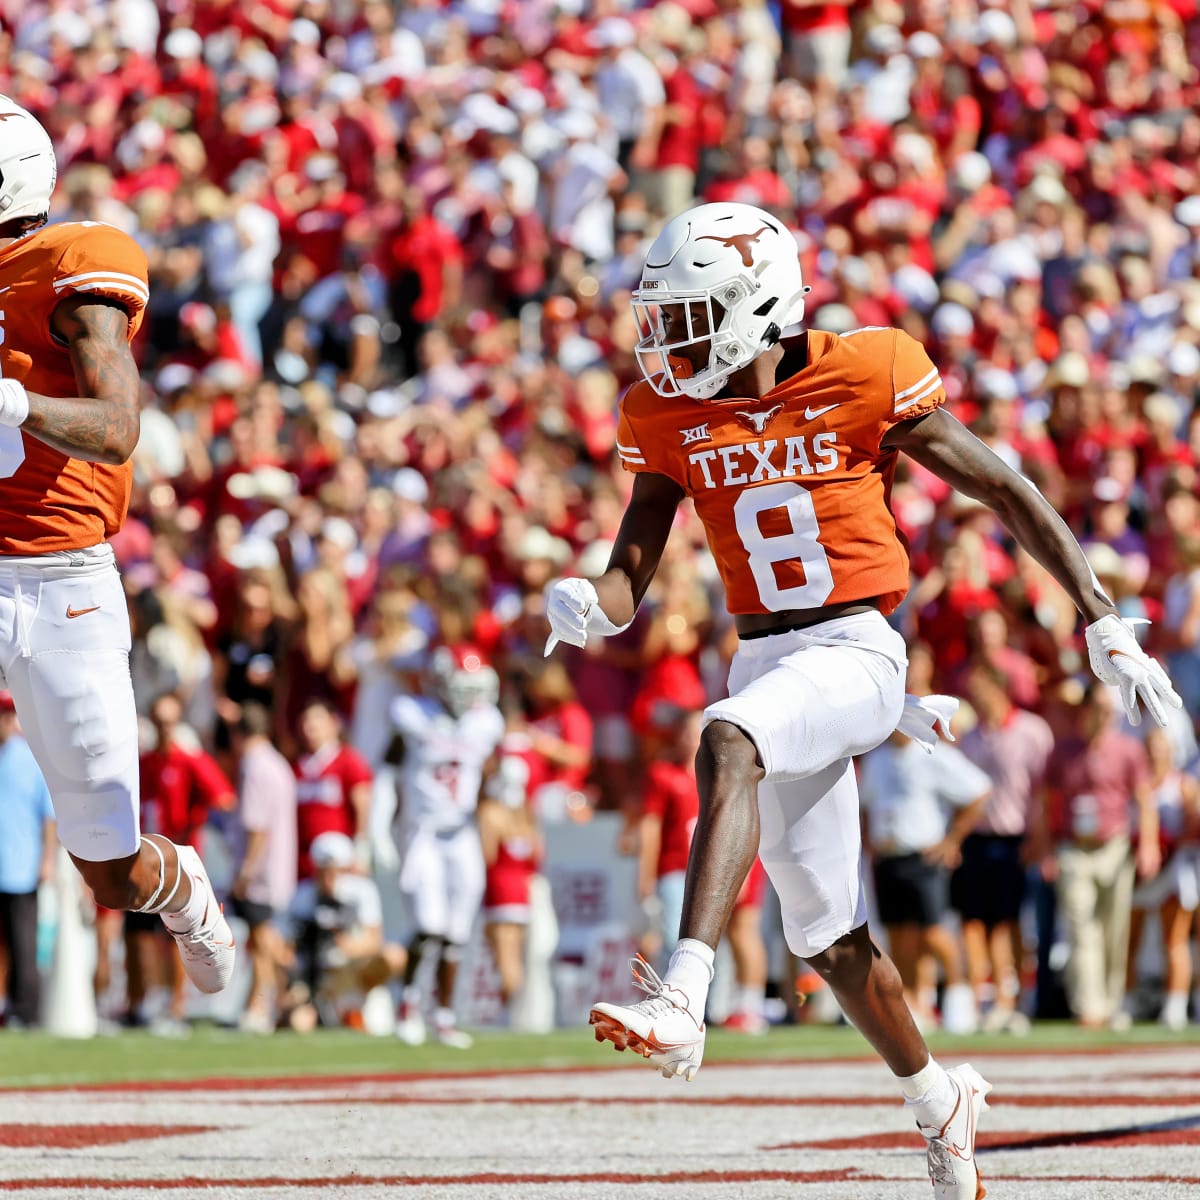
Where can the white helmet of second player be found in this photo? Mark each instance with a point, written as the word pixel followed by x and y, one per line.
pixel 27 167
pixel 732 263
pixel 462 679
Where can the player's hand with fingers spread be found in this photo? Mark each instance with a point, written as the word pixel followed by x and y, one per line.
pixel 1117 659
pixel 573 610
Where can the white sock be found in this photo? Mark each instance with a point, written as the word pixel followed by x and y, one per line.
pixel 412 997
pixel 930 1087
pixel 1175 1006
pixel 444 1018
pixel 750 999
pixel 192 913
pixel 691 971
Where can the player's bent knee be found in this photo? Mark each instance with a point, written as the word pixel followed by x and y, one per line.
pixel 111 882
pixel 453 952
pixel 846 962
pixel 729 749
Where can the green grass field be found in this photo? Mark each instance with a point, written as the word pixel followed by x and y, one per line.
pixel 35 1060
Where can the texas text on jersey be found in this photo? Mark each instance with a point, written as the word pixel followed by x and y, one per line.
pixel 48 501
pixel 793 488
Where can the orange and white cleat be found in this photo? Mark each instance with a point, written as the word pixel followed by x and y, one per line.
pixel 207 949
pixel 660 1028
pixel 950 1154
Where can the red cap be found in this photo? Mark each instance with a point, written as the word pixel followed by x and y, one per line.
pixel 6 702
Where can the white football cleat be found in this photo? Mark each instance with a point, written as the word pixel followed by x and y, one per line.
pixel 659 1028
pixel 959 1015
pixel 449 1034
pixel 410 1028
pixel 256 1020
pixel 950 1154
pixel 207 949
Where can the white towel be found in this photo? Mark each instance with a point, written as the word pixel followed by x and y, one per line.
pixel 923 715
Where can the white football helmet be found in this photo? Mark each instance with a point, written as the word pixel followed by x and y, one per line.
pixel 28 170
pixel 738 264
pixel 462 679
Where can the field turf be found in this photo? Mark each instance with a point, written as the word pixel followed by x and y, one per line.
pixel 30 1060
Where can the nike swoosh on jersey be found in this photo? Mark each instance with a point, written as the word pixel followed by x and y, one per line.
pixel 72 613
pixel 811 414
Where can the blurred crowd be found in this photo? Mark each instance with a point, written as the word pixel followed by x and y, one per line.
pixel 390 248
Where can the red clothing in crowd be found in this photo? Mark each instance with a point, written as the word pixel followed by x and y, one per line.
pixel 517 862
pixel 671 796
pixel 763 188
pixel 680 142
pixel 180 786
pixel 945 621
pixel 193 85
pixel 425 247
pixel 325 782
pixel 518 857
pixel 572 723
pixel 320 232
pixel 1093 784
pixel 670 686
pixel 798 16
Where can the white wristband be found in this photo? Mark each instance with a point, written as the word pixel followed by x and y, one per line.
pixel 14 403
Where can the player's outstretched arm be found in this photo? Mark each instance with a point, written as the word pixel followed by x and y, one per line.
pixel 943 445
pixel 103 422
pixel 572 604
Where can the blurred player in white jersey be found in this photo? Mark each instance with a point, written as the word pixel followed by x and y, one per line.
pixel 444 747
pixel 71 299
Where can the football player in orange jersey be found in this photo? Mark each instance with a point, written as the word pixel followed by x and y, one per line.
pixel 786 441
pixel 71 299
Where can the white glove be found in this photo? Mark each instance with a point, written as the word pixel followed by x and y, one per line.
pixel 1119 661
pixel 923 714
pixel 573 610
pixel 14 403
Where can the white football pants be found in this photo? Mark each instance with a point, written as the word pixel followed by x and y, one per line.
pixel 810 700
pixel 64 656
pixel 442 878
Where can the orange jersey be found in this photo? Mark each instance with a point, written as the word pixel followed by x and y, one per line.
pixel 49 501
pixel 793 489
